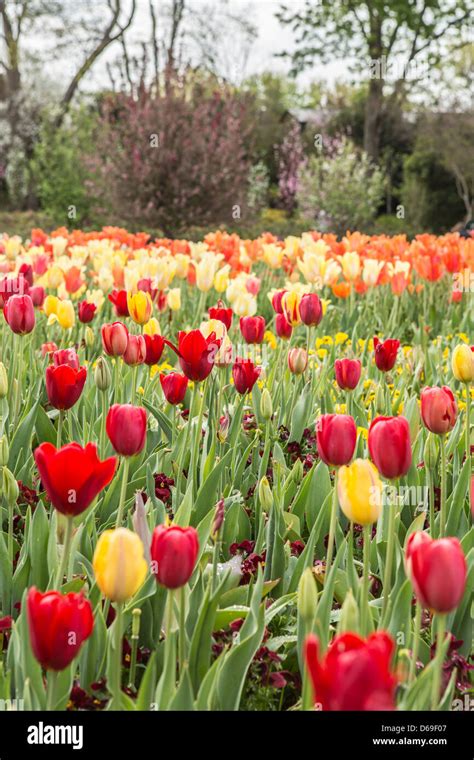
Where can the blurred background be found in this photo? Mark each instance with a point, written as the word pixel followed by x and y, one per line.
pixel 181 116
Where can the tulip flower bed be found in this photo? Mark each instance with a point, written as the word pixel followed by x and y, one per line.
pixel 236 475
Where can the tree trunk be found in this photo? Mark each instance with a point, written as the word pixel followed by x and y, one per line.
pixel 373 118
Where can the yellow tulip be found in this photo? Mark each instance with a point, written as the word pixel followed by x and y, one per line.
pixel 174 299
pixel 221 280
pixel 462 363
pixel 55 277
pixel 351 265
pixel 64 315
pixel 12 247
pixel 291 307
pixel 152 327
pixel 140 307
pixel 119 565
pixel 50 305
pixel 182 265
pixel 359 490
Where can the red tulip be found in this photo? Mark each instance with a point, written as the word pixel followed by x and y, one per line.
pixel 154 348
pixel 20 314
pixel 37 294
pixel 66 356
pixel 146 286
pixel 64 385
pixel 354 674
pixel 114 338
pixel 119 300
pixel 347 373
pixel 276 301
pixel 336 436
pixel 311 310
pixel 437 569
pixel 26 271
pixel 386 353
pixel 438 409
pixel 173 553
pixel 282 327
pixel 136 350
pixel 252 329
pixel 126 428
pixel 390 446
pixel 174 387
pixel 196 353
pixel 73 476
pixel 86 312
pixel 59 624
pixel 245 375
pixel 222 314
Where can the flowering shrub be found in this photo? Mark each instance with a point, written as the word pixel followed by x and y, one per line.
pixel 340 190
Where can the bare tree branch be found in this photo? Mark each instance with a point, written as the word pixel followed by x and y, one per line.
pixel 107 39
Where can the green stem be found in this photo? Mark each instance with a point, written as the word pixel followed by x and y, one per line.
pixel 11 507
pixel 134 383
pixel 116 686
pixel 365 582
pixel 19 380
pixel 59 436
pixel 442 512
pixel 123 491
pixel 168 653
pixel 215 562
pixel 198 436
pixel 102 441
pixel 387 577
pixel 432 503
pixel 468 434
pixel 181 594
pixel 184 447
pixel 117 380
pixel 416 642
pixel 52 681
pixel 332 526
pixel 66 551
pixel 436 684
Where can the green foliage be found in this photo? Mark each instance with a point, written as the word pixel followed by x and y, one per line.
pixel 428 193
pixel 342 192
pixel 59 170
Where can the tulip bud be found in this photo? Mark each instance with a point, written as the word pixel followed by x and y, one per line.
pixel 102 375
pixel 223 429
pixel 265 494
pixel 297 360
pixel 380 399
pixel 219 515
pixel 4 451
pixel 297 472
pixel 9 486
pixel 266 405
pixel 349 619
pixel 89 337
pixel 3 381
pixel 136 615
pixel 307 596
pixel 431 452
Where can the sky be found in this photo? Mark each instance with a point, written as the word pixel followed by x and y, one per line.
pixel 272 39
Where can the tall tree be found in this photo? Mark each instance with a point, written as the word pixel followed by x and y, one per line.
pixel 385 37
pixel 33 33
